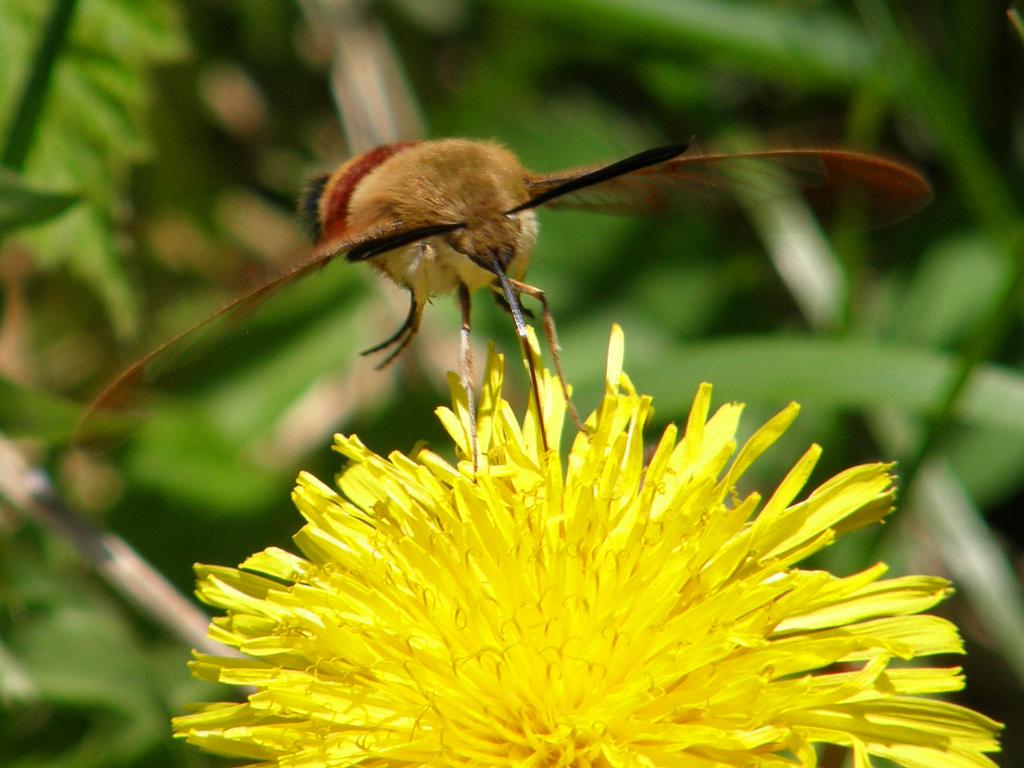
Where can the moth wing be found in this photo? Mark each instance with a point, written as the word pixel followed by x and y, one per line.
pixel 119 391
pixel 824 177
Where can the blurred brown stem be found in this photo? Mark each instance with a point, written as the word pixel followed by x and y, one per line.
pixel 30 492
pixel 370 91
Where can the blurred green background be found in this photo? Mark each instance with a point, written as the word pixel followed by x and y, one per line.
pixel 152 155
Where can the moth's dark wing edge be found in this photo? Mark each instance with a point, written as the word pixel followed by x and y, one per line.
pixel 646 159
pixel 374 247
pixel 825 178
pixel 891 190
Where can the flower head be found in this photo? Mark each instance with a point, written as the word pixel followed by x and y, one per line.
pixel 623 609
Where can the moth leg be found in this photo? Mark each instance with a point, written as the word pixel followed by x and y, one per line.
pixel 409 328
pixel 548 321
pixel 466 368
pixel 511 296
pixel 410 319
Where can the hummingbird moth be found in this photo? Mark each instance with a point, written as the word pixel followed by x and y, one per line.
pixel 458 215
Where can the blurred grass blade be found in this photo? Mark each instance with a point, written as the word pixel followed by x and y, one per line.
pixel 372 93
pixel 951 119
pixel 798 249
pixel 849 373
pixel 21 205
pixel 814 48
pixel 1016 20
pixel 803 258
pixel 930 90
pixel 977 561
pixel 22 130
pixel 16 683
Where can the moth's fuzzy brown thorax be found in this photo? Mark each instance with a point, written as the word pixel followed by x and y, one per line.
pixel 446 181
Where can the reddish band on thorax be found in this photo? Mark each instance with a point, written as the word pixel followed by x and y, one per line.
pixel 337 193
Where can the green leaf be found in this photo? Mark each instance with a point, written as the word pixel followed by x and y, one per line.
pixel 950 292
pixel 32 95
pixel 988 462
pixel 26 412
pixel 182 456
pixel 91 128
pixel 92 702
pixel 22 205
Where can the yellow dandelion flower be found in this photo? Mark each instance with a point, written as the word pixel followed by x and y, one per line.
pixel 609 611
